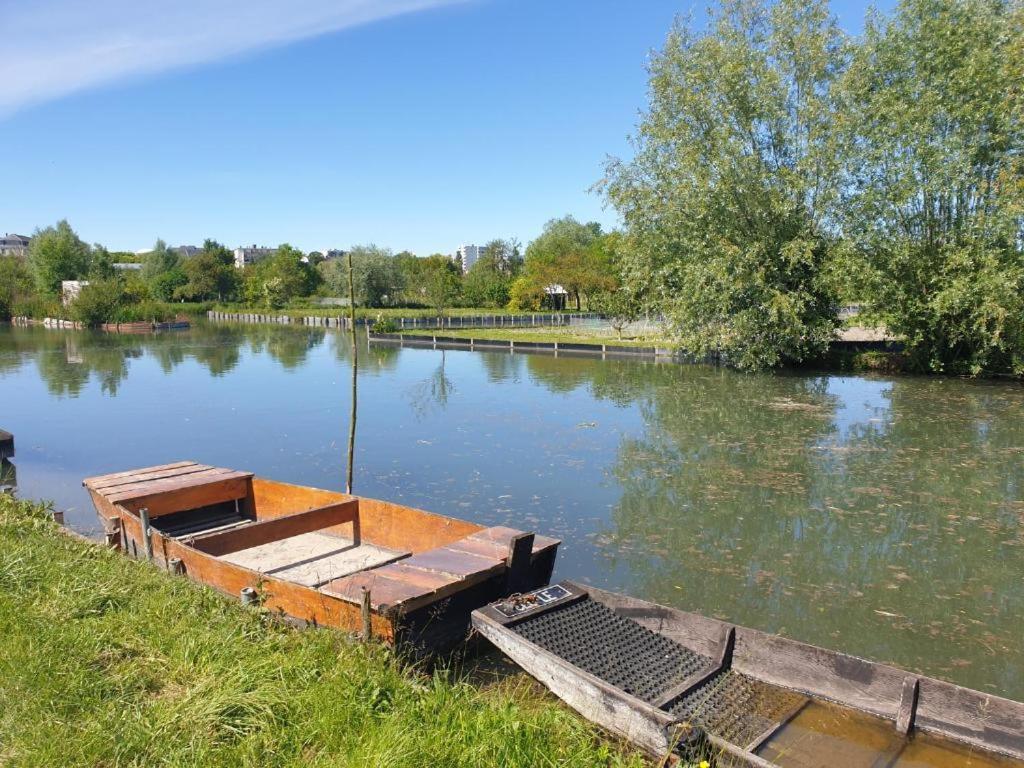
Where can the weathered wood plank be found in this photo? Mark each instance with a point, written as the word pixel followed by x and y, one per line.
pixel 294 600
pixel 908 705
pixel 385 592
pixel 89 481
pixel 109 485
pixel 265 531
pixel 152 487
pixel 454 562
pixel 190 497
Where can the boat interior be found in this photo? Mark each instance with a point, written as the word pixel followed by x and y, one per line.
pixel 324 540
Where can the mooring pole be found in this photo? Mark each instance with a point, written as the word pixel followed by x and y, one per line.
pixel 147 533
pixel 355 371
pixel 364 609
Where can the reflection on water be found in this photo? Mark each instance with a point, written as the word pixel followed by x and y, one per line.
pixel 882 516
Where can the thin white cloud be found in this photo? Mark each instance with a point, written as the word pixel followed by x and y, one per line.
pixel 50 48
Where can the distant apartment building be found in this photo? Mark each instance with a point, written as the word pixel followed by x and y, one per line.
pixel 246 255
pixel 14 245
pixel 468 255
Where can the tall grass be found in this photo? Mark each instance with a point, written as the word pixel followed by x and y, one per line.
pixel 107 661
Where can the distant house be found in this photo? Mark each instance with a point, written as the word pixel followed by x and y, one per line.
pixel 555 297
pixel 246 255
pixel 69 290
pixel 127 266
pixel 14 245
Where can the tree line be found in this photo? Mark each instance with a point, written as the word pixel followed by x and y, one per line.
pixel 568 253
pixel 783 168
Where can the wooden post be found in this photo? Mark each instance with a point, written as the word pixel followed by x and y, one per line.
pixel 908 705
pixel 147 533
pixel 517 563
pixel 112 537
pixel 364 609
pixel 58 516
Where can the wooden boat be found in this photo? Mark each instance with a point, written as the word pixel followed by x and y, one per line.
pixel 408 576
pixel 673 681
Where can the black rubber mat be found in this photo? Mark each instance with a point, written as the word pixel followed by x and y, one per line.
pixel 617 650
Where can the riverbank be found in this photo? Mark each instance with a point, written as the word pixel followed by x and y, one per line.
pixel 105 660
pixel 852 355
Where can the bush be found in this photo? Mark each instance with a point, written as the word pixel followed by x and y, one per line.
pixel 99 302
pixel 15 284
pixel 36 307
pixel 385 325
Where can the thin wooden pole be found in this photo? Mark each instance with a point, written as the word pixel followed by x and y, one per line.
pixel 147 534
pixel 355 371
pixel 364 607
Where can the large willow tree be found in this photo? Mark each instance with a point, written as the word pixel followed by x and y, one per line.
pixel 726 199
pixel 935 117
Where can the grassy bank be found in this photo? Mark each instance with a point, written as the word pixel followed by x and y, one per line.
pixel 108 661
pixel 309 309
pixel 561 334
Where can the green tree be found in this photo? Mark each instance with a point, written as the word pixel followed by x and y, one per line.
pixel 489 281
pixel 277 280
pixel 565 254
pixel 210 274
pixel 15 284
pixel 440 282
pixel 377 273
pixel 56 254
pixel 159 261
pixel 101 263
pixel 735 168
pixel 98 303
pixel 935 119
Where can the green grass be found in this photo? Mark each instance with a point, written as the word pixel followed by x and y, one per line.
pixel 561 334
pixel 108 661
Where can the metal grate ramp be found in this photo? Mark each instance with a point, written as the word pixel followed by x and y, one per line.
pixel 737 708
pixel 615 649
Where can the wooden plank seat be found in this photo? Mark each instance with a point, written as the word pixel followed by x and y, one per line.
pixel 312 558
pixel 426 577
pixel 170 487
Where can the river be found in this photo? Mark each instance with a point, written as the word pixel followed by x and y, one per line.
pixel 879 515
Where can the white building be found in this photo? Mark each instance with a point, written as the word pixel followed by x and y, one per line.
pixel 246 255
pixel 14 245
pixel 70 290
pixel 468 255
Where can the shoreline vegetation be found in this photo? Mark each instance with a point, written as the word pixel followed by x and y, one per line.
pixel 107 660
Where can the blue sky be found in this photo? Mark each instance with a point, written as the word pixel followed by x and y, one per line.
pixel 418 124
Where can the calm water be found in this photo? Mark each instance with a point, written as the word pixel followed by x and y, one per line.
pixel 882 516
